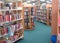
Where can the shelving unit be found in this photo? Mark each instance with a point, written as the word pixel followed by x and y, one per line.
pixel 29 12
pixel 12 21
pixel 33 14
pixel 49 13
pixel 44 15
pixel 41 15
pixel 2 35
pixel 37 12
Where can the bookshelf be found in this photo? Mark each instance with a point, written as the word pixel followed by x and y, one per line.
pixel 29 13
pixel 12 21
pixel 49 13
pixel 37 12
pixel 44 15
pixel 33 14
pixel 41 15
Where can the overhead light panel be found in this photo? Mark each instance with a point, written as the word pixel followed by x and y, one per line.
pixel 42 0
pixel 28 1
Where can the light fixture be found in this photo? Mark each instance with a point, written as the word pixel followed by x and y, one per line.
pixel 33 0
pixel 10 3
pixel 42 0
pixel 28 1
pixel 33 3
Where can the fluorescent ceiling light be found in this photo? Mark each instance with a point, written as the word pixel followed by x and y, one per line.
pixel 10 3
pixel 28 1
pixel 33 0
pixel 33 3
pixel 42 0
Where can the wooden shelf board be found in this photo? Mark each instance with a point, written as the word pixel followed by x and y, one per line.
pixel 19 28
pixel 11 9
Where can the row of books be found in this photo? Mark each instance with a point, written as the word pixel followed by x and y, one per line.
pixel 9 17
pixel 10 29
pixel 17 35
pixel 27 18
pixel 2 40
pixel 50 14
pixel 42 16
pixel 11 39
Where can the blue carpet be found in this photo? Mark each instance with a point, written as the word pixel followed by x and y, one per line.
pixel 41 34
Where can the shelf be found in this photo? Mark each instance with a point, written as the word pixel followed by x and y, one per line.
pixel 13 1
pixel 19 8
pixel 16 20
pixel 19 28
pixel 10 21
pixel 18 39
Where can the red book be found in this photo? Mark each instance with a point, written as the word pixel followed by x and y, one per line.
pixel 3 31
pixel 7 18
pixel 1 18
pixel 18 25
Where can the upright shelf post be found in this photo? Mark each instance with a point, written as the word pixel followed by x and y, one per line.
pixel 54 20
pixel 54 16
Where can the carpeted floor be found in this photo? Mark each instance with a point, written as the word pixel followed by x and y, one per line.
pixel 41 34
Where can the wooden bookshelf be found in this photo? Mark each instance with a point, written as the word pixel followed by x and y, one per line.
pixel 29 12
pixel 12 17
pixel 44 15
pixel 33 14
pixel 37 12
pixel 41 15
pixel 49 13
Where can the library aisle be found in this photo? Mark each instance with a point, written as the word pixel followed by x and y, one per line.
pixel 41 34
